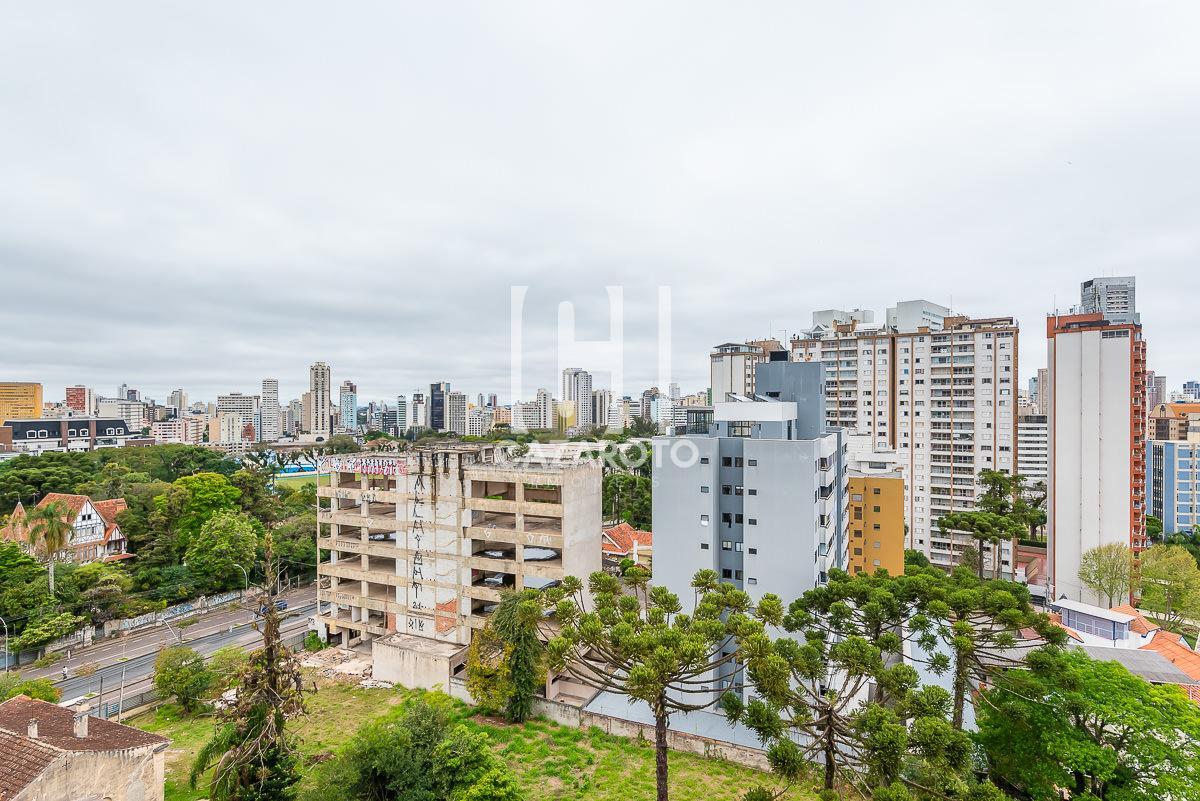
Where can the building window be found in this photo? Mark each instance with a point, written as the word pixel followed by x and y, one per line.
pixel 751 581
pixel 703 460
pixel 740 428
pixel 704 546
pixel 753 551
pixel 704 520
pixel 726 545
pixel 737 461
pixel 875 544
pixel 737 518
pixel 875 490
pixel 726 461
pixel 752 462
pixel 753 521
pixel 726 573
pixel 737 574
pixel 875 509
pixel 737 546
pixel 704 490
pixel 726 489
pixel 858 551
pixel 856 497
pixel 737 490
pixel 752 492
pixel 727 518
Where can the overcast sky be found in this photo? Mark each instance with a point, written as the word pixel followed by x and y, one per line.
pixel 203 194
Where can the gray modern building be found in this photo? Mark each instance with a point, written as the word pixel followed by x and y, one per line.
pixel 1115 297
pixel 760 496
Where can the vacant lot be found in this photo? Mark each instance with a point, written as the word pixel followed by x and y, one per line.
pixel 551 761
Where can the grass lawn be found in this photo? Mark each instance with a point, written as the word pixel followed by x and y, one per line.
pixel 296 482
pixel 550 761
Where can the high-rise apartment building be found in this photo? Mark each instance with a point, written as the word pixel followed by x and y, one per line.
pixel 245 407
pixel 601 404
pixel 479 421
pixel 760 498
pixel 318 410
pixel 401 414
pixel 1156 389
pixel 419 416
pixel 526 416
pixel 1033 448
pixel 270 414
pixel 437 406
pixel 577 398
pixel 913 315
pixel 20 400
pixel 424 542
pixel 1174 493
pixel 547 410
pixel 456 412
pixel 1043 379
pixel 132 412
pixel 1115 299
pixel 1192 389
pixel 295 417
pixel 178 400
pixel 348 406
pixel 81 400
pixel 1097 487
pixel 944 400
pixel 731 369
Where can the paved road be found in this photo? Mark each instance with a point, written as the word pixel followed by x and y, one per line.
pixel 134 654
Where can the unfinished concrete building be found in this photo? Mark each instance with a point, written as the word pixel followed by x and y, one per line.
pixel 422 543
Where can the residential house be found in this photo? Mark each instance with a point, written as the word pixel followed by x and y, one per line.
pixel 95 535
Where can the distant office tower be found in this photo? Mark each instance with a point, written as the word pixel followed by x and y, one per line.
pixel 493 401
pixel 1114 298
pixel 648 410
pixel 20 400
pixel 1043 377
pixel 419 416
pixel 401 415
pixel 1156 389
pixel 456 412
pixel 601 404
pixel 1033 389
pixel 81 400
pixel 318 420
pixel 546 410
pixel 731 369
pixel 577 397
pixel 437 406
pixel 295 416
pixel 1192 389
pixel 1097 443
pixel 123 392
pixel 348 406
pixel 760 498
pixel 269 410
pixel 912 315
pixel 1033 448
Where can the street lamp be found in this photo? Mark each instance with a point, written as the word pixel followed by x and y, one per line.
pixel 244 572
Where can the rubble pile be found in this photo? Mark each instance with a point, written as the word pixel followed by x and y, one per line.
pixel 342 664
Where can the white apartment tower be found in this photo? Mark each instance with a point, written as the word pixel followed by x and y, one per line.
pixel 943 399
pixel 1097 400
pixel 731 368
pixel 456 412
pixel 269 410
pixel 318 417
pixel 348 407
pixel 577 393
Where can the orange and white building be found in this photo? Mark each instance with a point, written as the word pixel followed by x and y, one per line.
pixel 1097 416
pixel 95 534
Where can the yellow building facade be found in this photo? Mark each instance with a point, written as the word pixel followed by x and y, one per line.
pixel 876 523
pixel 20 400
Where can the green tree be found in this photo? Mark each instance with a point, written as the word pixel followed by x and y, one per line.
pixel 23 590
pixel 11 685
pixel 225 665
pixel 643 427
pixel 651 651
pixel 26 478
pixel 516 622
pixel 228 539
pixel 49 530
pixel 489 672
pixel 1108 569
pixel 180 673
pixel 251 754
pixel 987 528
pixel 627 497
pixel 203 495
pixel 1169 580
pixel 973 628
pixel 1071 722
pixel 1154 528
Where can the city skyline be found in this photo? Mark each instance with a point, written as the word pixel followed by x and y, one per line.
pixel 282 209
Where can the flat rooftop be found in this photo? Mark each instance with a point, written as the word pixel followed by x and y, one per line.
pixel 422 645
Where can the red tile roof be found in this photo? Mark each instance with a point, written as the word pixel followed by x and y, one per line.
pixel 620 539
pixel 73 503
pixel 1056 619
pixel 1169 645
pixel 24 761
pixel 1139 624
pixel 56 727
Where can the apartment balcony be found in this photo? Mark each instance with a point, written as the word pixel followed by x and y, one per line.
pixel 359 494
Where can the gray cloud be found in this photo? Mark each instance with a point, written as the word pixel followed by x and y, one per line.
pixel 202 196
